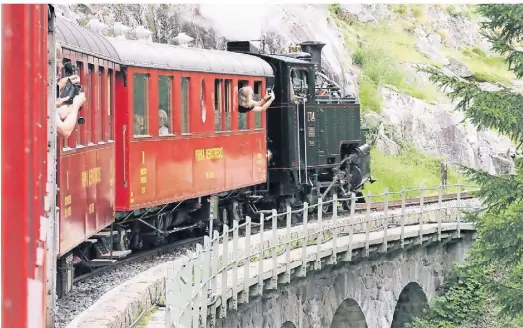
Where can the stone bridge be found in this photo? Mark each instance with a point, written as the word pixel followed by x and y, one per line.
pixel 381 292
pixel 370 269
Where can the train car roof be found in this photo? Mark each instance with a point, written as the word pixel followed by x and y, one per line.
pixel 156 55
pixel 166 56
pixel 75 37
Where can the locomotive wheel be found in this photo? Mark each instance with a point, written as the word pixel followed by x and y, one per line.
pixel 345 204
pixel 327 208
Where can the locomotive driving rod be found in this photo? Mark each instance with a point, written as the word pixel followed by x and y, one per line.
pixel 336 178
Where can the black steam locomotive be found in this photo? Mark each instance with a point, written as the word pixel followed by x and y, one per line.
pixel 316 146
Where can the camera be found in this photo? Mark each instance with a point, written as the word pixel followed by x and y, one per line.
pixel 71 90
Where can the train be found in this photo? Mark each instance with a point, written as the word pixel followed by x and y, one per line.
pixel 28 164
pixel 163 149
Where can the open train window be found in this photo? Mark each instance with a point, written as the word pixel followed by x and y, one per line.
pixel 257 97
pixel 242 117
pixel 228 104
pixel 165 90
pixel 202 102
pixel 71 141
pixel 79 129
pixel 100 120
pixel 299 85
pixel 92 100
pixel 218 104
pixel 185 96
pixel 140 103
pixel 109 98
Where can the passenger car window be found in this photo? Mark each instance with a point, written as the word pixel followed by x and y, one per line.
pixel 164 104
pixel 140 103
pixel 185 92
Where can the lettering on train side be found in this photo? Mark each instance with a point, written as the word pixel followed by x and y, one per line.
pixel 91 177
pixel 208 153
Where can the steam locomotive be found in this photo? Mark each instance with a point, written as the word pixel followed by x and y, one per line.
pixel 163 147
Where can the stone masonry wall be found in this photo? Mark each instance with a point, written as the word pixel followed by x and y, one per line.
pixel 373 287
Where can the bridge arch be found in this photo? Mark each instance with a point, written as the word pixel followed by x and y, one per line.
pixel 349 315
pixel 411 302
pixel 288 324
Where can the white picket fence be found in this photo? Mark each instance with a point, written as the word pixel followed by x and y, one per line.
pixel 213 281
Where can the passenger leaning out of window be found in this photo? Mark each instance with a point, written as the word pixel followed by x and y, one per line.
pixel 66 114
pixel 247 102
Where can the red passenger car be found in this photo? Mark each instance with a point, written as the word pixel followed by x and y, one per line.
pixel 28 161
pixel 178 129
pixel 86 158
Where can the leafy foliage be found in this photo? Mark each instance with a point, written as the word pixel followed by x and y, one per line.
pixel 491 280
pixel 464 298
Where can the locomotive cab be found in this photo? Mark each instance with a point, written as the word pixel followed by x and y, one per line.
pixel 318 148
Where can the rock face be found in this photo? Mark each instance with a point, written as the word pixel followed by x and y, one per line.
pixel 434 128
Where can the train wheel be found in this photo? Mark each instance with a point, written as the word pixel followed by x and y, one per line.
pixel 64 275
pixel 327 207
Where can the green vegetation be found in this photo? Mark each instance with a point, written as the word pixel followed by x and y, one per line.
pixel 146 317
pixel 379 58
pixel 409 170
pixel 486 69
pixel 379 51
pixel 488 288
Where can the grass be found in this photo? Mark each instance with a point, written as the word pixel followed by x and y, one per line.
pixel 144 320
pixel 385 47
pixel 379 56
pixel 409 170
pixel 486 69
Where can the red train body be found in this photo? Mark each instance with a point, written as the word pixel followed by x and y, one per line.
pixel 86 159
pixel 27 188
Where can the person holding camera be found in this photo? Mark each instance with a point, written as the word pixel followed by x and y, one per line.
pixel 247 102
pixel 66 110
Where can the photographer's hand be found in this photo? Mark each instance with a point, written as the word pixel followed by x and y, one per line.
pixel 75 79
pixel 61 101
pixel 267 95
pixel 79 100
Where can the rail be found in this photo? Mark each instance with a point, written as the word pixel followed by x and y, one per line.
pixel 221 275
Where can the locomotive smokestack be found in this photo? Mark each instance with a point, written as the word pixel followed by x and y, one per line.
pixel 314 48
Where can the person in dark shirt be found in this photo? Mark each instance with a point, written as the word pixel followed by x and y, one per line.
pixel 247 102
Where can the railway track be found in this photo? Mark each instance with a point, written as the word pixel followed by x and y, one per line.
pixel 141 256
pixel 164 249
